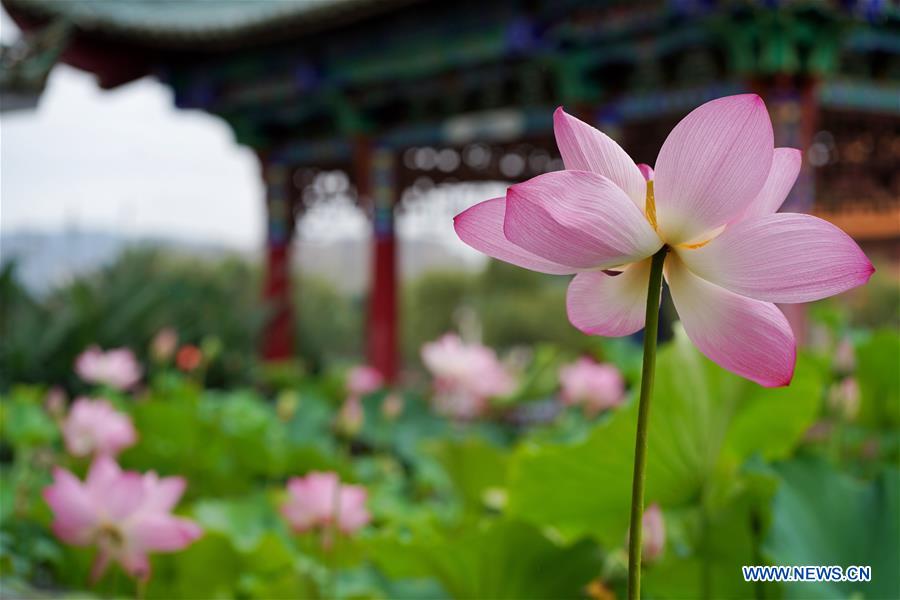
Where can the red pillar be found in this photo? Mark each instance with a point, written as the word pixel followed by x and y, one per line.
pixel 278 335
pixel 377 189
pixel 793 106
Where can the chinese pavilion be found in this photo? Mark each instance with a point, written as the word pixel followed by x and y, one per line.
pixel 390 91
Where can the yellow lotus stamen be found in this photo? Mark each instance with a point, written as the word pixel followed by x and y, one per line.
pixel 700 241
pixel 651 205
pixel 697 245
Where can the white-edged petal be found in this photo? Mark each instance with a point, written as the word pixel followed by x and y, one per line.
pixel 579 219
pixel 786 164
pixel 481 227
pixel 610 305
pixel 712 166
pixel 586 148
pixel 748 337
pixel 781 257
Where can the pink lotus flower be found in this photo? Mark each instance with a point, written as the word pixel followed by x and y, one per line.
pixel 597 387
pixel 843 398
pixel 844 356
pixel 164 344
pixel 711 201
pixel 126 515
pixel 320 501
pixel 351 417
pixel 95 427
pixel 116 368
pixel 363 380
pixel 654 539
pixel 465 376
pixel 392 406
pixel 55 402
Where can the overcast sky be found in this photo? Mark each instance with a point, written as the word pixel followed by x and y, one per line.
pixel 124 160
pixel 127 161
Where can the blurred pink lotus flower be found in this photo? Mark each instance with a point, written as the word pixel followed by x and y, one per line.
pixel 286 404
pixel 392 406
pixel 844 356
pixel 465 376
pixel 595 386
pixel 459 403
pixel 654 539
pixel 163 345
pixel 363 380
pixel 818 431
pixel 711 201
pixel 351 417
pixel 117 368
pixel 55 402
pixel 319 501
pixel 125 514
pixel 844 398
pixel 95 427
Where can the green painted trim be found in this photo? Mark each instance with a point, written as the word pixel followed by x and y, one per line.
pixel 860 95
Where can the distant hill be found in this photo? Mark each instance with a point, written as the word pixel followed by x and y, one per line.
pixel 346 263
pixel 48 259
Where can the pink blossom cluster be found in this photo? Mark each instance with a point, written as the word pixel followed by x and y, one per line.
pixel 466 376
pixel 164 344
pixel 95 427
pixel 319 501
pixel 596 387
pixel 654 534
pixel 117 368
pixel 125 514
pixel 363 380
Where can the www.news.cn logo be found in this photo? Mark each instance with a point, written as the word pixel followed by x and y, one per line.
pixel 807 573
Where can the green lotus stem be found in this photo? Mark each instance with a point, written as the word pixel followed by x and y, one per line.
pixel 651 329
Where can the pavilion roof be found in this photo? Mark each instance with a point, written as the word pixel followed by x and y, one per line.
pixel 193 23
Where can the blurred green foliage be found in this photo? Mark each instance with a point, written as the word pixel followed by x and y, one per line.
pixel 705 424
pixel 499 508
pixel 126 304
pixel 822 516
pixel 488 509
pixel 145 290
pixel 505 305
